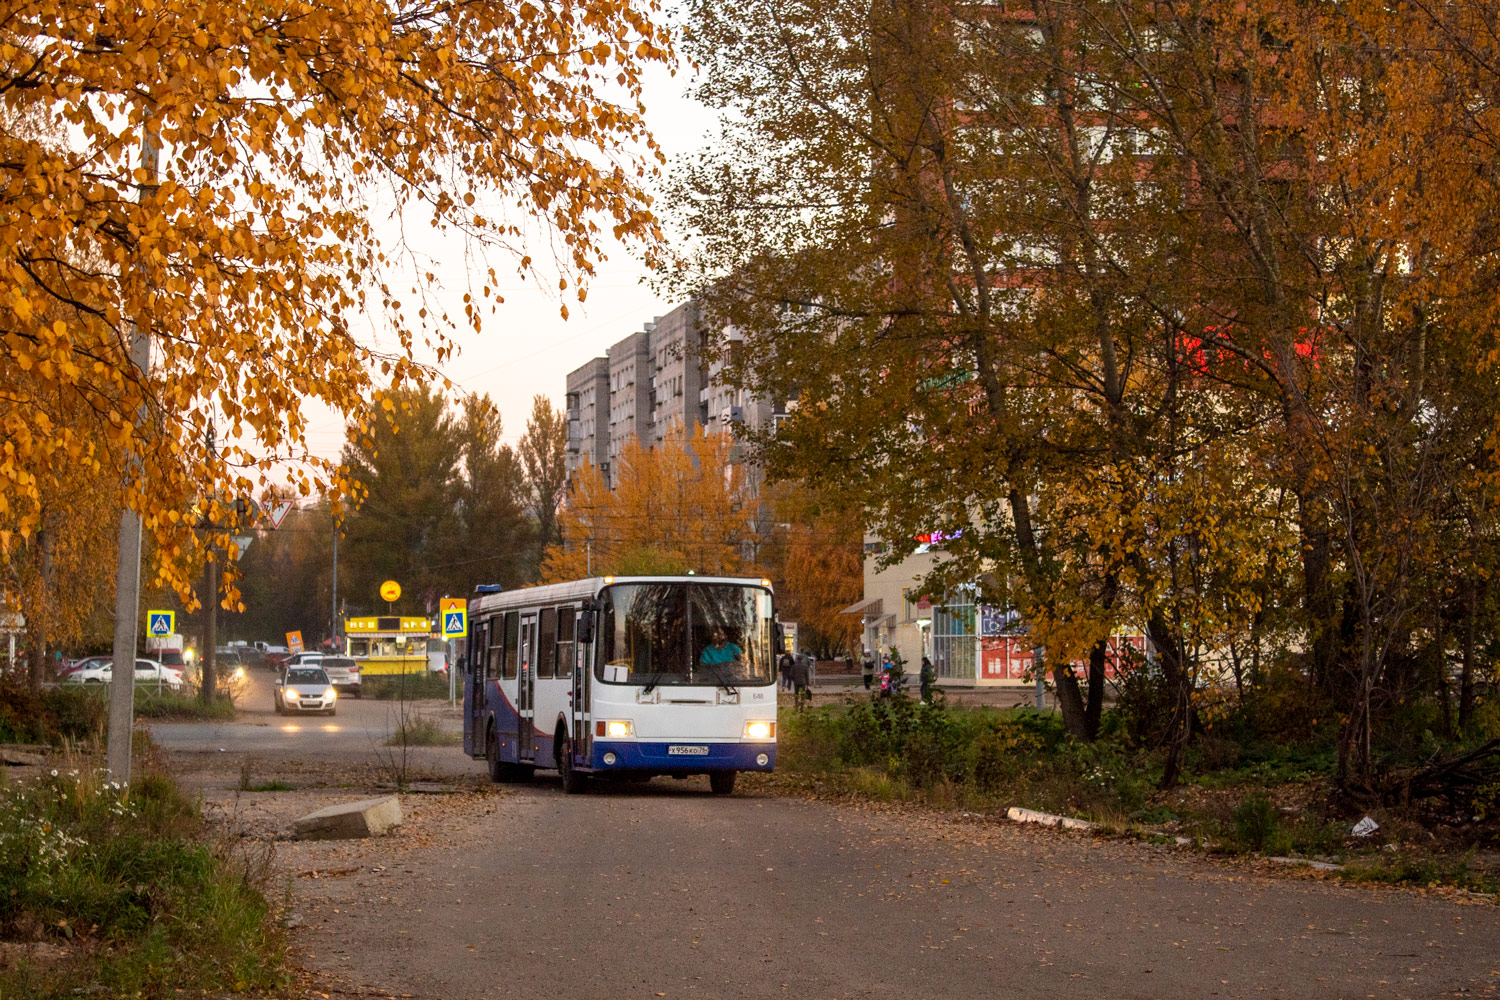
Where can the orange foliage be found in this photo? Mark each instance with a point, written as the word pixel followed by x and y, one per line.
pixel 251 255
pixel 679 507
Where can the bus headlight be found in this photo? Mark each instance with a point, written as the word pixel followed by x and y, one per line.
pixel 760 730
pixel 617 728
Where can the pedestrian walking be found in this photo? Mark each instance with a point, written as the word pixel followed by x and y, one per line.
pixel 928 675
pixel 786 670
pixel 867 669
pixel 887 679
pixel 800 687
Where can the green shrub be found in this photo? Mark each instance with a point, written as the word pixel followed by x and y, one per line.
pixel 1255 822
pixel 52 715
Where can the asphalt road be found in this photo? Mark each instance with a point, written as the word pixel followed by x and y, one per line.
pixel 662 889
pixel 358 728
pixel 665 890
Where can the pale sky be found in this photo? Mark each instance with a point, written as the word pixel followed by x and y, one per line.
pixel 526 347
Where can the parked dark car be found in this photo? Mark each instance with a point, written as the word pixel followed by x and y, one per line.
pixel 250 657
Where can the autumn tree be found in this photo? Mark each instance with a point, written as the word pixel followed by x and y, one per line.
pixel 815 559
pixel 677 507
pixel 495 535
pixel 212 177
pixel 405 525
pixel 544 462
pixel 1177 313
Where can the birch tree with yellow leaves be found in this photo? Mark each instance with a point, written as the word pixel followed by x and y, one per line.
pixel 680 506
pixel 253 255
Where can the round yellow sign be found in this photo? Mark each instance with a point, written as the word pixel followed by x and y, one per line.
pixel 390 590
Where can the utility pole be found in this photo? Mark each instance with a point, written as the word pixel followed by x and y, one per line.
pixel 333 631
pixel 128 565
pixel 210 660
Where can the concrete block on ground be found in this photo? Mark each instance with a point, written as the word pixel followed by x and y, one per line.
pixel 350 820
pixel 1019 815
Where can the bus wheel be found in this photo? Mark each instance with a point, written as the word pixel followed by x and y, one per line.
pixel 722 782
pixel 573 782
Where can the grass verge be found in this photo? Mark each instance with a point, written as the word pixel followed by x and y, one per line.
pixel 181 707
pixel 1260 798
pixel 126 893
pixel 404 687
pixel 417 730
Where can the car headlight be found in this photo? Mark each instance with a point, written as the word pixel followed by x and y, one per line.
pixel 239 673
pixel 289 694
pixel 614 727
pixel 760 730
pixel 330 693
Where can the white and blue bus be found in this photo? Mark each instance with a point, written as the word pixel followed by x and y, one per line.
pixel 624 676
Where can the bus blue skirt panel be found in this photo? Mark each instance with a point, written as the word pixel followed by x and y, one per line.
pixel 684 756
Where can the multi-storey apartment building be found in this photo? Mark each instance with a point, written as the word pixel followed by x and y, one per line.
pixel 679 375
pixel 651 380
pixel 588 414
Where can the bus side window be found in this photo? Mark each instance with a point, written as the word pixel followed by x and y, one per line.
pixel 546 640
pixel 565 623
pixel 512 632
pixel 487 660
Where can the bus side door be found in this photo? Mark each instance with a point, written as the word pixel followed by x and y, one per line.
pixel 474 696
pixel 583 738
pixel 526 689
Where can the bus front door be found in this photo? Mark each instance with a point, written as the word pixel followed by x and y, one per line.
pixel 525 691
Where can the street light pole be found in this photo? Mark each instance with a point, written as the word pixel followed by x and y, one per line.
pixel 128 564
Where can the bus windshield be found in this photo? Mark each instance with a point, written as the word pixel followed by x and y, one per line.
pixel 685 633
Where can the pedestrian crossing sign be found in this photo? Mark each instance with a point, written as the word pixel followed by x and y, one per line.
pixel 455 617
pixel 160 623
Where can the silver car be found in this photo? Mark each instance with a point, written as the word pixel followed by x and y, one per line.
pixel 343 673
pixel 304 689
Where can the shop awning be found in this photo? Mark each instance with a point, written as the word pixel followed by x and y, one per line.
pixel 870 608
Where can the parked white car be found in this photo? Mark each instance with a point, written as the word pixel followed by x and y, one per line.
pixel 147 672
pixel 343 673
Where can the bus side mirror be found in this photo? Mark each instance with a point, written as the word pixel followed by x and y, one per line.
pixel 586 622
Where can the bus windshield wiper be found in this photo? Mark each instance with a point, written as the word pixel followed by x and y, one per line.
pixel 651 684
pixel 719 678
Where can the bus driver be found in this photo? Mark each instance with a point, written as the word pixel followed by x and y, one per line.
pixel 721 651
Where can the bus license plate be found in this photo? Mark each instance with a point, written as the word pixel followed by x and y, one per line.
pixel 687 751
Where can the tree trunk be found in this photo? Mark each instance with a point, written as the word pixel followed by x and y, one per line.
pixel 1093 713
pixel 1466 674
pixel 36 620
pixel 1169 653
pixel 1070 700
